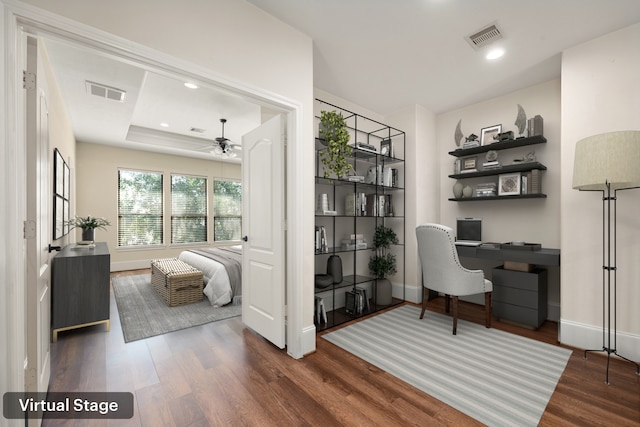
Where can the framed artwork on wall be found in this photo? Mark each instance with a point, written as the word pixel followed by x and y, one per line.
pixel 61 195
pixel 509 184
pixel 487 134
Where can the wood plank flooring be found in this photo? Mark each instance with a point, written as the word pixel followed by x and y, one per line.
pixel 222 374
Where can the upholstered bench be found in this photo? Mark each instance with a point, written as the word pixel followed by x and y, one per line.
pixel 177 282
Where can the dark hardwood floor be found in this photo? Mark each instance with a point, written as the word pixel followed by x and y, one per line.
pixel 222 374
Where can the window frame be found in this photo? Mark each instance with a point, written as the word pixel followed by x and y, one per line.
pixel 213 210
pixel 206 215
pixel 161 215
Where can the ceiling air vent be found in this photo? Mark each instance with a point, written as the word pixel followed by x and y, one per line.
pixel 197 130
pixel 484 36
pixel 104 91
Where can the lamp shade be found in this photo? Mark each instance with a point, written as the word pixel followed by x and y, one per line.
pixel 610 158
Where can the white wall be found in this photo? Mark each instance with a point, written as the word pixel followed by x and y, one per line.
pixel 422 189
pixel 600 93
pixel 96 173
pixel 530 220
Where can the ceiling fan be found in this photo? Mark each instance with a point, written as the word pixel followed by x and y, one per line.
pixel 223 147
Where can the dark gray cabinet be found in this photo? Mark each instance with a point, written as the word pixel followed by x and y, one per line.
pixel 520 297
pixel 80 288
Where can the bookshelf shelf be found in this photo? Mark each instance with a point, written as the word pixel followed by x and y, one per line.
pixel 373 195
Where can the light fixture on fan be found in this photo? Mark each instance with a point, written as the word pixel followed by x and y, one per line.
pixel 223 147
pixel 224 150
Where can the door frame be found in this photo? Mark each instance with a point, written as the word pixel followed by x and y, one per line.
pixel 40 22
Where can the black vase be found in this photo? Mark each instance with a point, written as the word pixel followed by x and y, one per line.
pixel 334 268
pixel 88 234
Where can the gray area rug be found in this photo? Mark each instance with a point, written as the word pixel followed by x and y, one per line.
pixel 498 378
pixel 143 313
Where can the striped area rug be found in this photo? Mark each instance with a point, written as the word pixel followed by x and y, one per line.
pixel 498 378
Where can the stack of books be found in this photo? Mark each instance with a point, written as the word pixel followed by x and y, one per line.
pixel 357 301
pixel 486 190
pixel 491 165
pixel 355 204
pixel 531 182
pixel 353 242
pixel 471 144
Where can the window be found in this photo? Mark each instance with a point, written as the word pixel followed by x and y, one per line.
pixel 227 210
pixel 140 207
pixel 188 209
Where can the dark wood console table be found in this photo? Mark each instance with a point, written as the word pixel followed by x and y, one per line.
pixel 80 288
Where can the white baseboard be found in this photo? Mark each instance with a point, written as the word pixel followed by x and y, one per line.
pixel 412 293
pixel 585 336
pixel 308 340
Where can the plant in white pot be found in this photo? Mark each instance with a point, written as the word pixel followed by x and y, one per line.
pixel 383 263
pixel 334 134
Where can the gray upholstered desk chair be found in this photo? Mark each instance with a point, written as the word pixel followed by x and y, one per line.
pixel 442 271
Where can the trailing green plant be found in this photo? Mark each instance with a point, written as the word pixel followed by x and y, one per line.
pixel 333 130
pixel 383 263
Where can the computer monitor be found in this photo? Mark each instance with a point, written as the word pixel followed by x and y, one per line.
pixel 469 229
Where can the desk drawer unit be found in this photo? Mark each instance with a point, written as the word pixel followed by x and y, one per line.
pixel 520 297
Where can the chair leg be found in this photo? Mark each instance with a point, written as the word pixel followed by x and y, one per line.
pixel 455 314
pixel 487 309
pixel 447 303
pixel 425 297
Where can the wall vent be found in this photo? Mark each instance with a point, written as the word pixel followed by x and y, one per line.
pixel 484 36
pixel 104 91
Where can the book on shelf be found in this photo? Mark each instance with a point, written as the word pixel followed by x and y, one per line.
pixel 321 313
pixel 321 239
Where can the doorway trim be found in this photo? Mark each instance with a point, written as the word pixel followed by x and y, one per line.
pixel 16 16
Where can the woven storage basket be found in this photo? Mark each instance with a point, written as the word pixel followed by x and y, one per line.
pixel 177 282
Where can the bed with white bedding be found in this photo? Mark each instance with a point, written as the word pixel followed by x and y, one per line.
pixel 222 272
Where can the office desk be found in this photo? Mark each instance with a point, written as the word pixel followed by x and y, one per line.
pixel 544 256
pixel 519 297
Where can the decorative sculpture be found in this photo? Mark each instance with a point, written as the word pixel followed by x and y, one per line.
pixel 521 120
pixel 458 135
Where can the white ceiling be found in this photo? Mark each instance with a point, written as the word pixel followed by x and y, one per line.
pixel 384 55
pixel 150 99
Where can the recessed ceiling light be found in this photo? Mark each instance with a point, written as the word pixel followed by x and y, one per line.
pixel 164 125
pixel 495 53
pixel 191 85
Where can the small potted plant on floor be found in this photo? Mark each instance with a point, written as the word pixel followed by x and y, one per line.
pixel 383 263
pixel 334 134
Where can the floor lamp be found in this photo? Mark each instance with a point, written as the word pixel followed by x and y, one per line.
pixel 608 162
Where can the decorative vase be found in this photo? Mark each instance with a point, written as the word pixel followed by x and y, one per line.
pixel 457 189
pixel 467 191
pixel 88 234
pixel 334 268
pixel 383 292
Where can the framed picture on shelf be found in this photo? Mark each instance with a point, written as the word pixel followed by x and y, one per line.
pixel 487 134
pixel 469 164
pixel 386 147
pixel 509 184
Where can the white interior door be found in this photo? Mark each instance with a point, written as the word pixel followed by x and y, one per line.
pixel 37 231
pixel 263 224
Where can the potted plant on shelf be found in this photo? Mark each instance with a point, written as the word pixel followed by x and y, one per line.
pixel 333 133
pixel 383 263
pixel 88 224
